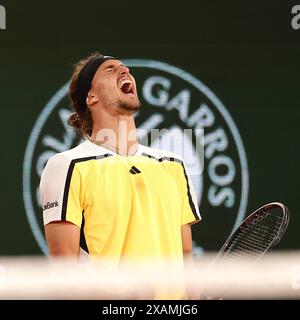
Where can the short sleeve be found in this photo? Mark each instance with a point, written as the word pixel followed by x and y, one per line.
pixel 60 195
pixel 190 209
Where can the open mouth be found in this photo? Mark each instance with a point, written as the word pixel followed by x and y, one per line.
pixel 126 86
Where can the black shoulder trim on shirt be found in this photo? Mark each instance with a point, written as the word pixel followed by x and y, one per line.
pixel 83 244
pixel 192 205
pixel 68 180
pixel 162 158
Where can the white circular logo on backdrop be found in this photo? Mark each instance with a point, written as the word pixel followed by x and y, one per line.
pixel 171 99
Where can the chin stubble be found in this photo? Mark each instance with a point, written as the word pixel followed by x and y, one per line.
pixel 130 107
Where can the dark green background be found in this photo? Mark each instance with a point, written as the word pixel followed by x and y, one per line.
pixel 246 52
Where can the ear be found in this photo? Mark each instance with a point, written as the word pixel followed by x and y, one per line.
pixel 91 99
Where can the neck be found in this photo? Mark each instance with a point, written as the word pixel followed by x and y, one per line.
pixel 116 132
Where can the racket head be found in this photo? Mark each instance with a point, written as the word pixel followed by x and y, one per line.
pixel 258 233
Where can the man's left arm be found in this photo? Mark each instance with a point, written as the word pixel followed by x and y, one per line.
pixel 186 238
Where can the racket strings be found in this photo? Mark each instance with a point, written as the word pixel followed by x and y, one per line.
pixel 254 238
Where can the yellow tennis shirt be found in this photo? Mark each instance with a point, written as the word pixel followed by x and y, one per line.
pixel 129 207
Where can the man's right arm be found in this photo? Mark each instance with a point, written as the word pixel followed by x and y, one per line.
pixel 61 200
pixel 62 238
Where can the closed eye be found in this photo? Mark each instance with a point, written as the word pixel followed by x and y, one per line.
pixel 109 68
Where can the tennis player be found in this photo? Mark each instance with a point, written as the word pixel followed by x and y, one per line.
pixel 111 197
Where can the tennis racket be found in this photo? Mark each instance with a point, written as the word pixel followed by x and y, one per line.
pixel 258 233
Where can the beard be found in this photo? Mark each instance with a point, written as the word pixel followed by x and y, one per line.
pixel 128 108
pixel 121 107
